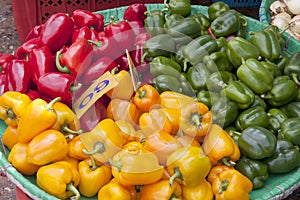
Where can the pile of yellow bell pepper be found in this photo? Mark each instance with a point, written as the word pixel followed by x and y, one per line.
pixel 150 146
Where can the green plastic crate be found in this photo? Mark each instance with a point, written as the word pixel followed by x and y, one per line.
pixel 264 14
pixel 278 186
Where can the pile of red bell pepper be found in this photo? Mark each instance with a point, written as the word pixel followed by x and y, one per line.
pixel 70 51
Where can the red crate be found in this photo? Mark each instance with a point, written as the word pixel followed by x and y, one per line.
pixel 28 13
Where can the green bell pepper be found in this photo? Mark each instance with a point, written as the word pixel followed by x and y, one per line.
pixel 267 42
pixel 240 93
pixel 217 61
pixel 158 69
pixel 231 130
pixel 282 61
pixel 186 86
pixel 239 48
pixel 171 20
pixel 272 67
pixel 226 24
pixel 291 109
pixel 284 90
pixel 159 45
pixel 203 20
pixel 181 7
pixel 290 130
pixel 278 33
pixel 166 82
pixel 254 116
pixel 255 170
pixel 216 9
pixel 292 67
pixel 285 158
pixel 154 22
pixel 185 30
pixel 198 75
pixel 257 142
pixel 207 97
pixel 218 80
pixel 224 111
pixel 259 102
pixel 276 118
pixel 195 50
pixel 222 44
pixel 255 76
pixel 162 60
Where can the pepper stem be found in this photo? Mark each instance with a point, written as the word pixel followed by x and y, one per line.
pixel 97 44
pixel 295 78
pixel 223 186
pixel 185 66
pixel 63 69
pixel 98 148
pixel 234 133
pixel 75 87
pixel 10 113
pixel 72 188
pixel 177 174
pixel 244 21
pixel 116 164
pixel 51 103
pixel 143 58
pixel 196 119
pixel 67 129
pixel 174 197
pixel 226 161
pixel 94 164
pixel 142 93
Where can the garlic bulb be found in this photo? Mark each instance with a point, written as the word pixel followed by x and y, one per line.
pixel 295 24
pixel 278 7
pixel 293 6
pixel 281 20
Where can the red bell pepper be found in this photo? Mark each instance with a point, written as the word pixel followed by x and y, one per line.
pixel 97 69
pixel 42 62
pixel 123 63
pixel 101 22
pixel 19 76
pixel 84 32
pixel 93 115
pixel 23 51
pixel 121 33
pixel 137 54
pixel 57 31
pixel 56 84
pixel 4 61
pixel 135 12
pixel 105 47
pixel 34 32
pixel 3 81
pixel 86 18
pixel 33 94
pixel 137 27
pixel 78 55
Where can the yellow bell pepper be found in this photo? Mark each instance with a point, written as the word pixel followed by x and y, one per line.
pixel 72 161
pixel 161 190
pixel 103 141
pixel 215 171
pixel 59 179
pixel 9 138
pixel 37 117
pixel 162 144
pixel 129 134
pixel 187 140
pixel 124 90
pixel 174 100
pixel 67 122
pixel 174 118
pixel 155 120
pixel 18 158
pixel 146 97
pixel 48 146
pixel 119 109
pixel 134 165
pixel 92 177
pixel 76 148
pixel 232 185
pixel 220 147
pixel 188 164
pixel 115 191
pixel 12 107
pixel 196 119
pixel 202 191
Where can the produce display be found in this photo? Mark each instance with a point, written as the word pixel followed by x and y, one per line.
pixel 161 103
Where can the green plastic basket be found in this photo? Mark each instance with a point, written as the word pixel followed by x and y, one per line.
pixel 264 14
pixel 277 186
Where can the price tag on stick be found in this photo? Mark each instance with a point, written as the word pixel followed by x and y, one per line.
pixel 133 72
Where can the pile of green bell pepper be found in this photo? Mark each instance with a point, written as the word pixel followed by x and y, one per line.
pixel 248 80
